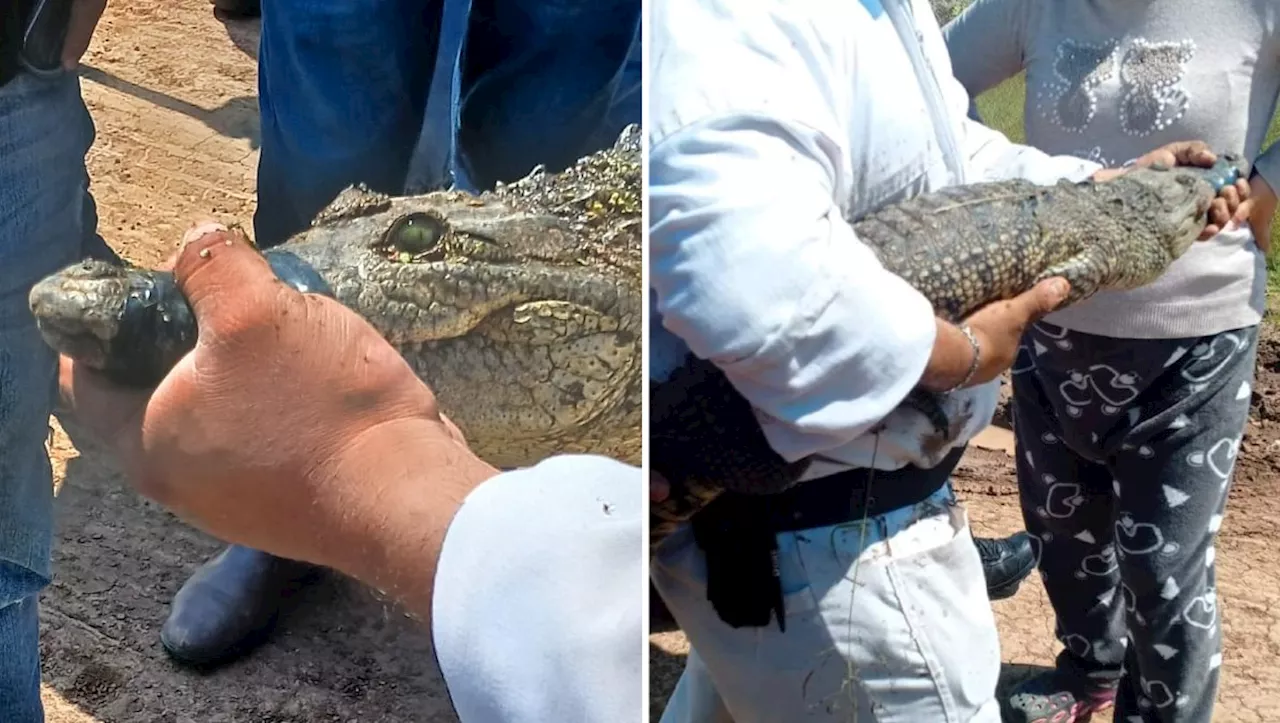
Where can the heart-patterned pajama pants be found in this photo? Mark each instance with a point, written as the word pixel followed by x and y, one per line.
pixel 1124 459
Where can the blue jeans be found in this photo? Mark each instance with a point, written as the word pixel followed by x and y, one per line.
pixel 20 644
pixel 344 87
pixel 45 132
pixel 541 82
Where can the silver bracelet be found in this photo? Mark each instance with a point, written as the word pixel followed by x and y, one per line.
pixel 973 365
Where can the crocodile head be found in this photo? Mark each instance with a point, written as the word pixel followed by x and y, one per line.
pixel 1172 202
pixel 521 308
pixel 525 322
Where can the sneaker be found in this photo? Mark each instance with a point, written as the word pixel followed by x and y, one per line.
pixel 1056 698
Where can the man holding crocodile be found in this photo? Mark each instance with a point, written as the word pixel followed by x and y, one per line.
pixel 348 462
pixel 772 125
pixel 521 307
pixel 343 89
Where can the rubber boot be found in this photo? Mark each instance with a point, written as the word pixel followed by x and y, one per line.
pixel 231 605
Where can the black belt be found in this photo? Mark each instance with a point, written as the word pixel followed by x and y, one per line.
pixel 843 496
pixel 738 533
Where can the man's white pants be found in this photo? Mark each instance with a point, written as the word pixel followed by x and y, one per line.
pixel 887 620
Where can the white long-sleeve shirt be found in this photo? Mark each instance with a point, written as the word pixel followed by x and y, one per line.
pixel 772 125
pixel 540 592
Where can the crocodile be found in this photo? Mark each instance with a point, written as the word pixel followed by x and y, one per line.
pixel 962 247
pixel 520 307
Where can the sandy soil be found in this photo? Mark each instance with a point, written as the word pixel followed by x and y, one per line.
pixel 173 92
pixel 1248 571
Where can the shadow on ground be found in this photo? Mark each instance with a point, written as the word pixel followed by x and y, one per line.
pixel 243 32
pixel 343 655
pixel 237 118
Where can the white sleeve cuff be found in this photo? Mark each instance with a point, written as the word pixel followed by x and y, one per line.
pixel 539 596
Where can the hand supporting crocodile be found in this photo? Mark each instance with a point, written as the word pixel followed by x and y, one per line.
pixel 962 247
pixel 520 308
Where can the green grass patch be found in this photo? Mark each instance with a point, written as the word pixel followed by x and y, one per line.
pixel 1002 109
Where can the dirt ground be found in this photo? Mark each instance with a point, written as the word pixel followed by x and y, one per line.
pixel 172 90
pixel 1248 569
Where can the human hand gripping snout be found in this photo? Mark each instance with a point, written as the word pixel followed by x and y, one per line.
pixel 291 427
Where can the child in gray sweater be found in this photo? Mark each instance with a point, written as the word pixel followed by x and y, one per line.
pixel 1129 408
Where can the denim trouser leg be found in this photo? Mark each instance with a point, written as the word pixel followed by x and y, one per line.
pixel 625 107
pixel 45 132
pixel 342 86
pixel 434 163
pixel 20 644
pixel 538 81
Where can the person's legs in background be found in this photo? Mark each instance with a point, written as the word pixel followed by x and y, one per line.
pixel 1126 452
pixel 20 644
pixel 625 107
pixel 545 84
pixel 45 132
pixel 434 165
pixel 342 88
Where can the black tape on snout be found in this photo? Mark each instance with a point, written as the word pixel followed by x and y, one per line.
pixel 156 329
pixel 297 273
pixel 1229 168
pixel 157 325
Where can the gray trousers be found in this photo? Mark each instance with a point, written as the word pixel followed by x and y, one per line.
pixel 888 621
pixel 1125 454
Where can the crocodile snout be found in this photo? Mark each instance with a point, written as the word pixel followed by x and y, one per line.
pixel 77 310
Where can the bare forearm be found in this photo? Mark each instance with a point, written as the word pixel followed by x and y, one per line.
pixel 1263 211
pixel 403 485
pixel 950 361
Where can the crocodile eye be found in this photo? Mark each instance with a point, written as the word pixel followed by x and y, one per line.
pixel 416 233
